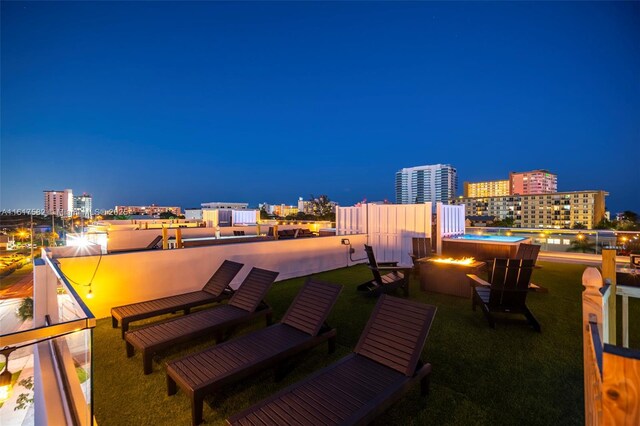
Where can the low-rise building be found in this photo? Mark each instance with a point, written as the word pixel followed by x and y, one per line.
pixel 224 205
pixel 193 213
pixel 560 210
pixel 151 210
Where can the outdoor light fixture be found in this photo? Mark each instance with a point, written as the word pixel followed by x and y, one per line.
pixel 5 376
pixel 345 242
pixel 90 294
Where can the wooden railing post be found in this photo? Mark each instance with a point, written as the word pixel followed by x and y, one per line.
pixel 609 275
pixel 178 237
pixel 592 311
pixel 165 238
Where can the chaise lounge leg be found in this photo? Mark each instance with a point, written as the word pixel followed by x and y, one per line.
pixel 114 322
pixel 172 389
pixel 269 319
pixel 332 344
pixel 130 350
pixel 147 358
pixel 125 327
pixel 424 386
pixel 197 404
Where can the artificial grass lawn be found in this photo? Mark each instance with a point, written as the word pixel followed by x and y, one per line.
pixel 510 375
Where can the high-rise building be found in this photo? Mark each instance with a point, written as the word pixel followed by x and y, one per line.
pixel 490 188
pixel 82 205
pixel 533 182
pixel 559 210
pixel 58 203
pixel 422 184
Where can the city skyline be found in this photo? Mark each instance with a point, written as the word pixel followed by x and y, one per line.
pixel 139 103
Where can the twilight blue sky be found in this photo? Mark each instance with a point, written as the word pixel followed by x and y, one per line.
pixel 182 103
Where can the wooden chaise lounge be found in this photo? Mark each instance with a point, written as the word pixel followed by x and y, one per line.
pixel 215 290
pixel 302 327
pixel 355 390
pixel 245 305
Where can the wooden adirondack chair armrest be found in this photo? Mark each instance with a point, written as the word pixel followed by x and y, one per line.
pixel 475 280
pixel 405 269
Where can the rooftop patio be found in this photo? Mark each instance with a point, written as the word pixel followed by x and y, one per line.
pixel 510 375
pixel 480 375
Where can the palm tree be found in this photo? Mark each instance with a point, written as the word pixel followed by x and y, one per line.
pixel 582 244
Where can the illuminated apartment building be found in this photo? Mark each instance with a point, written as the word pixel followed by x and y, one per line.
pixel 533 182
pixel 59 203
pixel 490 188
pixel 560 210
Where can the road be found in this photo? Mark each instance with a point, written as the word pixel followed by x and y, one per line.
pixel 11 297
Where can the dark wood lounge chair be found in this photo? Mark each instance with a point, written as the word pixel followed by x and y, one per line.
pixel 531 251
pixel 302 327
pixel 355 390
pixel 506 291
pixel 245 305
pixel 528 251
pixel 397 276
pixel 421 249
pixel 215 290
pixel 305 233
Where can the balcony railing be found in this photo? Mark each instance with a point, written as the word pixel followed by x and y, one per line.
pixel 611 373
pixel 49 368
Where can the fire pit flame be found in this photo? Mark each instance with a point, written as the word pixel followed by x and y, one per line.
pixel 463 261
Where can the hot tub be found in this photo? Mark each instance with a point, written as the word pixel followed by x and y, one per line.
pixel 482 247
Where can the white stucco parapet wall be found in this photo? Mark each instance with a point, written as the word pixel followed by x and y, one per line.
pixel 124 278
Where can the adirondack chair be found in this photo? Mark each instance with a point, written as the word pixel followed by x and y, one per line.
pixel 506 291
pixel 528 251
pixel 421 249
pixel 531 251
pixel 398 276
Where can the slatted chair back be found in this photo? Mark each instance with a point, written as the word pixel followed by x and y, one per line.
pixel 396 333
pixel 312 306
pixel 373 264
pixel 510 280
pixel 221 279
pixel 253 289
pixel 528 251
pixel 421 247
